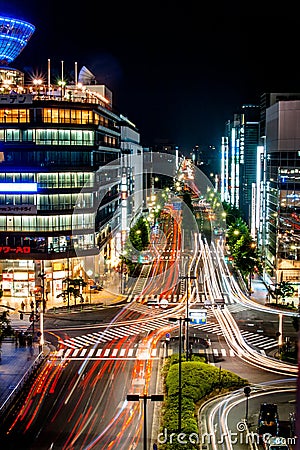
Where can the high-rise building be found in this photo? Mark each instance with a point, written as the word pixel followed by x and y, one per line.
pixel 260 176
pixel 238 162
pixel 279 235
pixel 61 163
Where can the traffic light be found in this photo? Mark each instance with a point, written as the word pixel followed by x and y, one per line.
pixel 21 316
pixel 31 317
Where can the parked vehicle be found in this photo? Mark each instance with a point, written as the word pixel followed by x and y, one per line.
pixel 268 420
pixel 276 443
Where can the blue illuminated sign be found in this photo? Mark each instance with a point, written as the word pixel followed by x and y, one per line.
pixel 198 316
pixel 18 187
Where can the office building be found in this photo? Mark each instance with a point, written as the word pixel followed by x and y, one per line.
pixel 279 230
pixel 60 179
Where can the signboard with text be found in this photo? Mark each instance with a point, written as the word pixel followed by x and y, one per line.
pixel 198 316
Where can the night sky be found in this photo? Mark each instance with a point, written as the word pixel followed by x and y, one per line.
pixel 178 72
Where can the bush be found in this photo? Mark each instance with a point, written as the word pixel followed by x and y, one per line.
pixel 199 380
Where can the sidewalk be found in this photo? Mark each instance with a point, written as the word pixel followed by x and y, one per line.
pixel 261 294
pixel 17 363
pixel 260 290
pixel 16 366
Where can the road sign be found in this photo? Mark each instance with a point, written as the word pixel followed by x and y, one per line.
pixel 198 316
pixel 168 335
pixel 163 303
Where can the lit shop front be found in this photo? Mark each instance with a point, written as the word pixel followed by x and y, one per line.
pixel 18 278
pixel 22 278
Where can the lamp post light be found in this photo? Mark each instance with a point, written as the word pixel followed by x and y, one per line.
pixel 42 276
pixel 180 320
pixel 62 85
pixel 187 278
pixel 137 398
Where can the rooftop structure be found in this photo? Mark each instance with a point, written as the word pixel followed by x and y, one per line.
pixel 14 35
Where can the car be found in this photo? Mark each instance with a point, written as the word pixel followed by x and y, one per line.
pixel 268 420
pixel 276 443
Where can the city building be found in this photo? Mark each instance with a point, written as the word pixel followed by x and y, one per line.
pixel 238 160
pixel 260 176
pixel 279 227
pixel 61 159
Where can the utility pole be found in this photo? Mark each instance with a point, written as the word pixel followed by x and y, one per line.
pixel 187 278
pixel 137 398
pixel 42 276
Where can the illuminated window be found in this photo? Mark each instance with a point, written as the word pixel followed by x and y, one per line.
pixel 14 115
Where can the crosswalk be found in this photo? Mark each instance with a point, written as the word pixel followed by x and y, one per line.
pixel 131 353
pixel 91 345
pixel 100 353
pixel 254 339
pixel 154 298
pixel 117 332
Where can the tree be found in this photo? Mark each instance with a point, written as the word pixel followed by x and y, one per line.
pixel 74 289
pixel 238 229
pixel 137 241
pixel 243 249
pixel 283 289
pixel 232 213
pixel 139 234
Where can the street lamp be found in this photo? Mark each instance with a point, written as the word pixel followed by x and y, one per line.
pixel 137 398
pixel 42 276
pixel 180 320
pixel 186 278
pixel 62 85
pixel 247 391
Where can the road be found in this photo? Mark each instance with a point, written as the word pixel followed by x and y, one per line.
pixel 78 400
pixel 222 421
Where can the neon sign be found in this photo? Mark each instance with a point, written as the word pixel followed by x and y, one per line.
pixel 18 187
pixel 19 249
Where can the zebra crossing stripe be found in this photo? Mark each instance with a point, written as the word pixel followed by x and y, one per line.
pixel 70 344
pixel 100 337
pixel 84 340
pixel 267 347
pixel 260 340
pixel 120 333
pixel 112 353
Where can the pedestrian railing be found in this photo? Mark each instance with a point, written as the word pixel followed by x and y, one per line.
pixel 16 390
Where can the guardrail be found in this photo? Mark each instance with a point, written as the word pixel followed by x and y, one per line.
pixel 36 363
